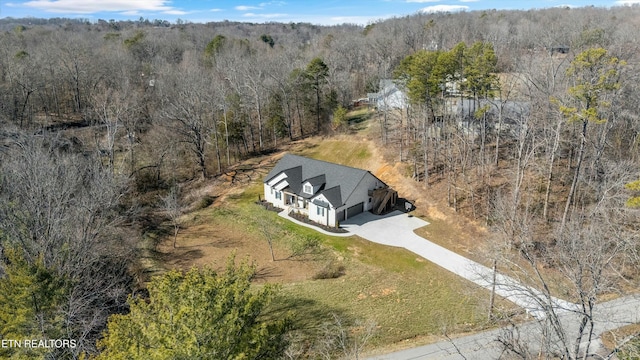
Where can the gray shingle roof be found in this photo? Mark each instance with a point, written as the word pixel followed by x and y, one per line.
pixel 339 180
pixel 334 196
pixel 318 180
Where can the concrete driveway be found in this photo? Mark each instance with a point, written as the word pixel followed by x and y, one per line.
pixel 397 229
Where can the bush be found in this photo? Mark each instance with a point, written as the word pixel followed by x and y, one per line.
pixel 148 180
pixel 303 245
pixel 332 270
pixel 205 202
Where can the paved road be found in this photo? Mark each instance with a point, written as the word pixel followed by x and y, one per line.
pixel 483 346
pixel 397 229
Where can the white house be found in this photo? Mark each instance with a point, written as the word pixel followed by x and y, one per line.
pixel 389 97
pixel 327 193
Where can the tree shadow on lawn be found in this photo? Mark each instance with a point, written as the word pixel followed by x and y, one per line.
pixel 266 272
pixel 215 242
pixel 151 223
pixel 309 316
pixel 185 255
pixel 178 258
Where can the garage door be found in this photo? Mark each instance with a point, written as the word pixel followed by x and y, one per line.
pixel 355 210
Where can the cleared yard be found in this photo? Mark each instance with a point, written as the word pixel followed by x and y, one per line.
pixel 411 300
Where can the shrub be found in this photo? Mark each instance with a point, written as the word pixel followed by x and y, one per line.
pixel 332 270
pixel 303 245
pixel 205 202
pixel 148 180
pixel 177 319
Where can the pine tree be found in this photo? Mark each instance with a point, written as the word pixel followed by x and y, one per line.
pixel 198 315
pixel 30 301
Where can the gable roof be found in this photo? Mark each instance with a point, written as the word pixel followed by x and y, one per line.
pixel 318 180
pixel 339 180
pixel 333 196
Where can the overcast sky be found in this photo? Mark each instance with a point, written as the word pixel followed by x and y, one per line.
pixel 316 12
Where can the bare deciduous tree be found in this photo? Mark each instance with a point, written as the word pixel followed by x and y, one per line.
pixel 172 209
pixel 189 108
pixel 269 230
pixel 581 264
pixel 63 210
pixel 347 342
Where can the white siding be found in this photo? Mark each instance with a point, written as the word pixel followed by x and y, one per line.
pixel 319 214
pixel 328 215
pixel 270 196
pixel 361 192
pixel 322 199
pixel 281 185
pixel 314 188
pixel 390 97
pixel 277 179
pixel 332 217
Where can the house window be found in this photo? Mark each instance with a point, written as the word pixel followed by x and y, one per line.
pixel 319 211
pixel 271 190
pixel 308 189
pixel 279 195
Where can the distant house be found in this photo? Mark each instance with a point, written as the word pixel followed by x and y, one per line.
pixel 325 192
pixel 508 114
pixel 389 97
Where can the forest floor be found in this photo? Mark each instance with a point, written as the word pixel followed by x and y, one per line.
pixel 411 300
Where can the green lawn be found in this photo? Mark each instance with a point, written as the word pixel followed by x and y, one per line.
pixel 344 152
pixel 411 300
pixel 407 297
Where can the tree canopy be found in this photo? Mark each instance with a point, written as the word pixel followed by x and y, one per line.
pixel 198 315
pixel 595 73
pixel 30 297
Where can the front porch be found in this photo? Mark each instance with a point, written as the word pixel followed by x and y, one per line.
pixel 296 203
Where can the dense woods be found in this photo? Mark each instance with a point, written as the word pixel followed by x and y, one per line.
pixel 528 119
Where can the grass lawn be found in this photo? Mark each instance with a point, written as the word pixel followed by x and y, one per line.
pixel 357 119
pixel 440 232
pixel 612 339
pixel 341 151
pixel 411 300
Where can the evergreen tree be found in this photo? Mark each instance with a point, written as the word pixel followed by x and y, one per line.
pixel 339 118
pixel 480 66
pixel 275 117
pixel 198 315
pixel 316 74
pixel 31 297
pixel 596 75
pixel 267 39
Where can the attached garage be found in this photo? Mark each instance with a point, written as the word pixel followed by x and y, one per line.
pixel 355 210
